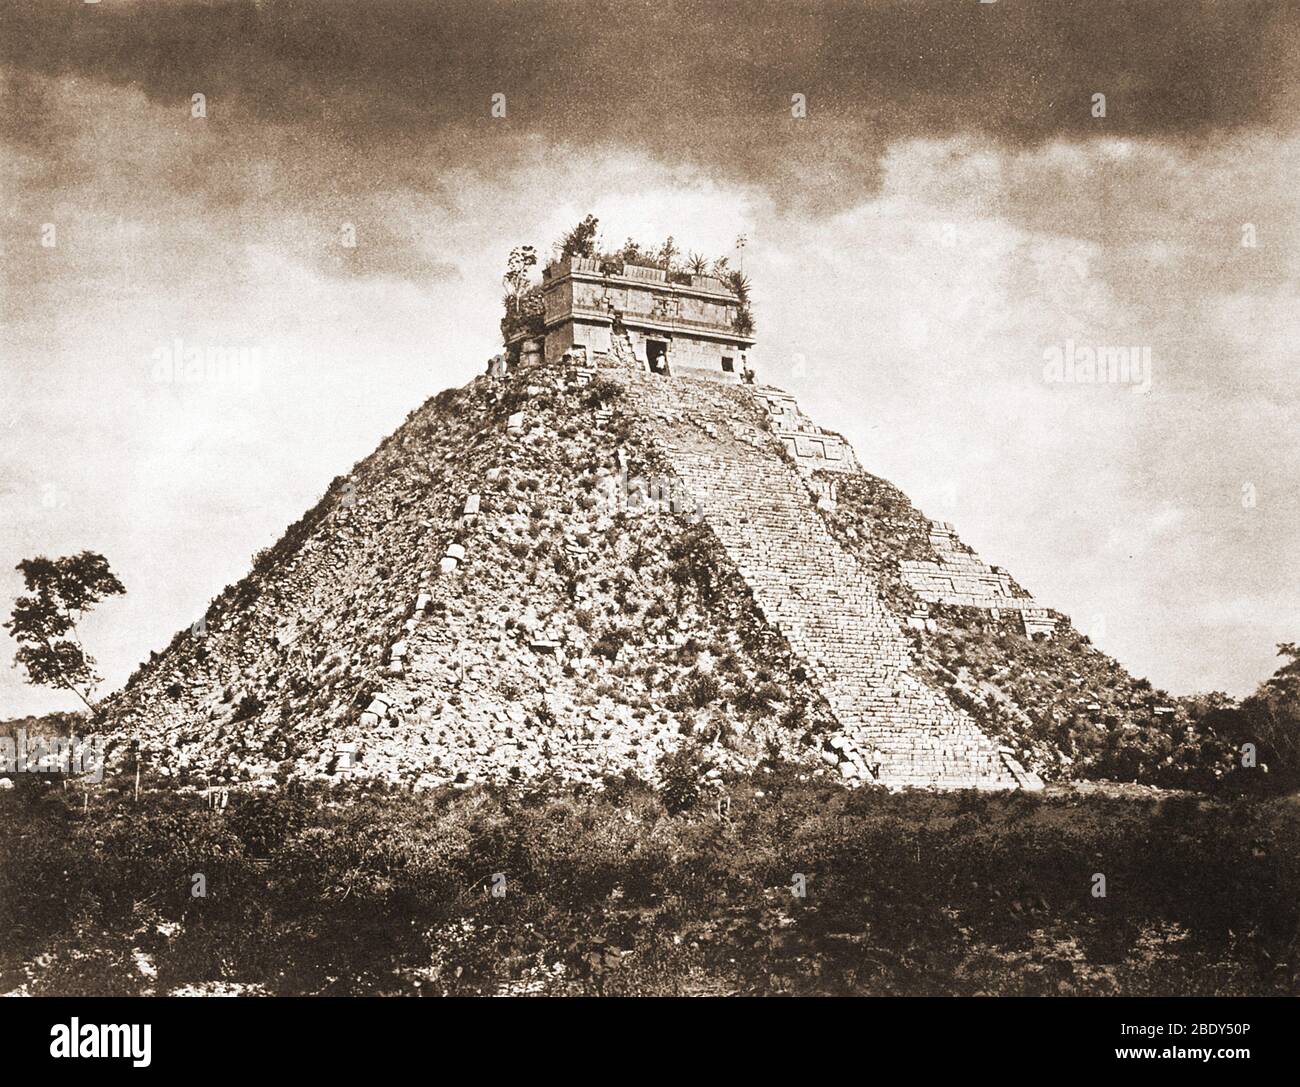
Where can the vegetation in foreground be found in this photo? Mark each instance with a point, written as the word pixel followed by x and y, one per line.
pixel 694 888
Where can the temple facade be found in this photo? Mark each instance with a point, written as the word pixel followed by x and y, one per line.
pixel 671 326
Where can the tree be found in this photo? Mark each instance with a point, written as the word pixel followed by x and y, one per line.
pixel 631 252
pixel 522 258
pixel 581 240
pixel 697 265
pixel 1272 713
pixel 62 591
pixel 668 254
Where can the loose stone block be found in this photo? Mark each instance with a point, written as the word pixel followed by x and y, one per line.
pixel 346 756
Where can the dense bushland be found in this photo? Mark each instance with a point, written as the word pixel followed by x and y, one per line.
pixel 606 891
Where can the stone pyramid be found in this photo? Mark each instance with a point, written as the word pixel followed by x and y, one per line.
pixel 574 568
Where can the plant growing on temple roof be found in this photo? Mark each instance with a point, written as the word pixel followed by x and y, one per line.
pixel 581 240
pixel 632 252
pixel 739 282
pixel 45 623
pixel 522 259
pixel 523 301
pixel 668 254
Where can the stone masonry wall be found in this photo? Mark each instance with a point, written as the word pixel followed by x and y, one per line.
pixel 807 443
pixel 961 578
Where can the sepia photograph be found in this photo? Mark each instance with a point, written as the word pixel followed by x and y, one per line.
pixel 651 499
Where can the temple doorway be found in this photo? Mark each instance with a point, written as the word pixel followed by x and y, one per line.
pixel 656 353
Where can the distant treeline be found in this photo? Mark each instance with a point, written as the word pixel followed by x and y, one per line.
pixel 48 724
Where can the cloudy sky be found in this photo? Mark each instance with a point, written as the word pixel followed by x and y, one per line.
pixel 950 212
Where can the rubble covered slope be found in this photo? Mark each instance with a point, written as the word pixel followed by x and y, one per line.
pixel 477 601
pixel 575 571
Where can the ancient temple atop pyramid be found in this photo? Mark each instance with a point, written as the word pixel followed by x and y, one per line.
pixel 676 348
pixel 617 541
pixel 686 324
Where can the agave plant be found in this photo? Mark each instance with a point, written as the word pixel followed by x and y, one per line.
pixel 739 282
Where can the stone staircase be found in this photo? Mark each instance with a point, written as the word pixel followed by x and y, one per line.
pixel 895 728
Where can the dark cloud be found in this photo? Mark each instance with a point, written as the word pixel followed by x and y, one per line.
pixel 707 83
